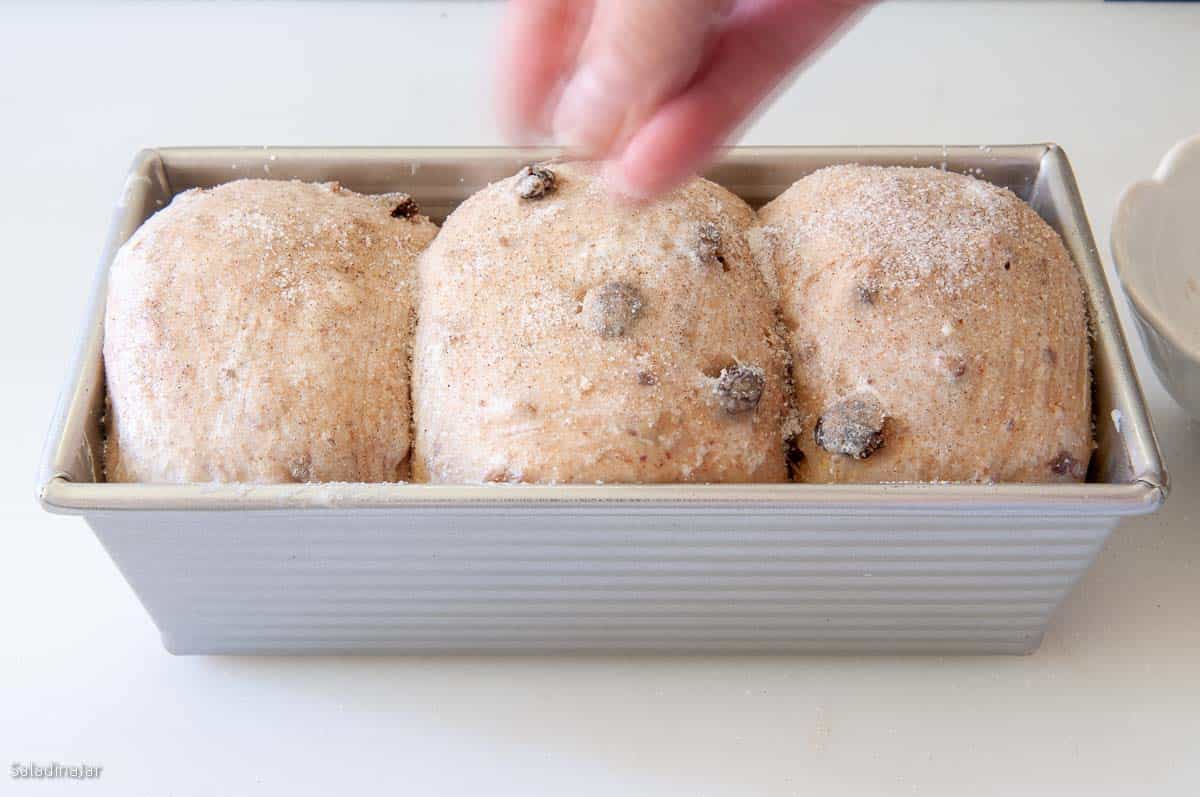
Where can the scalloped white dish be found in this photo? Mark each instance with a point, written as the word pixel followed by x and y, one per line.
pixel 1156 247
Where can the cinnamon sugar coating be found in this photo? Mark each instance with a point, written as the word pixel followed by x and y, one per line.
pixel 260 332
pixel 920 306
pixel 581 338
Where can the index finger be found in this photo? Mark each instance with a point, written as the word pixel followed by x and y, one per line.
pixel 538 44
pixel 760 46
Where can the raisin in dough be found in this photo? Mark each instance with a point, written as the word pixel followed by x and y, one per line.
pixel 260 332
pixel 938 330
pixel 569 336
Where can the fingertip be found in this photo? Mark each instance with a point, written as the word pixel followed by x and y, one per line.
pixel 663 155
pixel 613 174
pixel 536 45
pixel 628 178
pixel 513 129
pixel 519 133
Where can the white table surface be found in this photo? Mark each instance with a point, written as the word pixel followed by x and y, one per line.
pixel 1109 705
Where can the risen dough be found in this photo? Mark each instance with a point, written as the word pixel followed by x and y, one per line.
pixel 938 330
pixel 260 332
pixel 569 336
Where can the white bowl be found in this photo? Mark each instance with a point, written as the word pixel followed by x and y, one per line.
pixel 1156 246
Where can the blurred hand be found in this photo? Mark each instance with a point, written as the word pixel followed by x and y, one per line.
pixel 653 85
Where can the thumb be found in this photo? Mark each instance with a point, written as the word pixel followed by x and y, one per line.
pixel 637 54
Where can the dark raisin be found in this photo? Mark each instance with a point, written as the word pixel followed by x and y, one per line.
pixel 793 454
pixel 648 378
pixel 1066 465
pixel 1007 265
pixel 300 469
pixel 534 182
pixel 739 388
pixel 407 208
pixel 609 310
pixel 853 426
pixel 708 247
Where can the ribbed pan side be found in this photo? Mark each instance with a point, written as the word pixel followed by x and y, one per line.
pixel 402 581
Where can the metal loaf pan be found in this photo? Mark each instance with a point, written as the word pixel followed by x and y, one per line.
pixel 789 567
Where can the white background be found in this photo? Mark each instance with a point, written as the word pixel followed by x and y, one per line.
pixel 1109 705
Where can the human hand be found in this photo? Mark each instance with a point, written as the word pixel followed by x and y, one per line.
pixel 652 85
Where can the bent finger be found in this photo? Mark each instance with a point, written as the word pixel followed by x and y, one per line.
pixel 637 53
pixel 539 42
pixel 761 44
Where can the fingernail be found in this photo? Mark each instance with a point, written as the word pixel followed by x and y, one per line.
pixel 587 115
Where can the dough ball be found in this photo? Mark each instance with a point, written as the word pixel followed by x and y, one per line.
pixel 567 335
pixel 260 331
pixel 938 330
